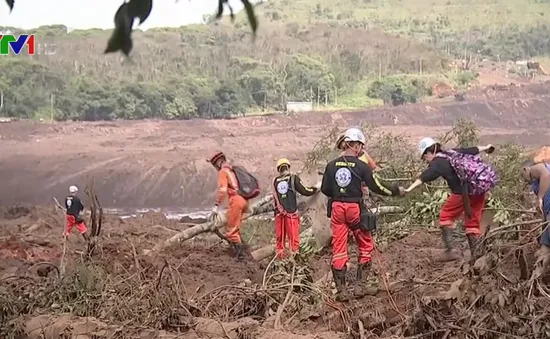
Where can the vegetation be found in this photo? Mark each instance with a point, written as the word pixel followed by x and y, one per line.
pixel 201 71
pixel 328 52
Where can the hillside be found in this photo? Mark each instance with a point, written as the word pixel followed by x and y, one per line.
pixel 492 28
pixel 162 163
pixel 382 52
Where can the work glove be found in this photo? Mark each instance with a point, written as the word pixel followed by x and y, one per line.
pixel 214 214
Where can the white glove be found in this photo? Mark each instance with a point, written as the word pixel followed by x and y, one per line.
pixel 213 214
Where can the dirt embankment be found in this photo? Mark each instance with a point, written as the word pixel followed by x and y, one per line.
pixel 162 164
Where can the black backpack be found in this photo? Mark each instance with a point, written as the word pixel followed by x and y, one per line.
pixel 249 187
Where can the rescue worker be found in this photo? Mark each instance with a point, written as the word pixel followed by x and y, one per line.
pixel 367 198
pixel 538 175
pixel 74 207
pixel 454 207
pixel 342 182
pixel 340 144
pixel 287 219
pixel 228 185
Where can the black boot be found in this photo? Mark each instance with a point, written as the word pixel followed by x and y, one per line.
pixel 362 287
pixel 447 237
pixel 339 277
pixel 473 243
pixel 239 249
pixel 363 271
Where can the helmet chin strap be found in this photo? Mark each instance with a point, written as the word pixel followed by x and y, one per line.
pixel 356 151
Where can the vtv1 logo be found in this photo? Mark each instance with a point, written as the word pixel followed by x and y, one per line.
pixel 16 44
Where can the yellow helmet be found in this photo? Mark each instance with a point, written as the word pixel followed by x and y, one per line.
pixel 281 162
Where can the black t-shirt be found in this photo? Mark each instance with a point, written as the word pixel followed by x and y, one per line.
pixel 285 187
pixel 343 177
pixel 441 167
pixel 73 205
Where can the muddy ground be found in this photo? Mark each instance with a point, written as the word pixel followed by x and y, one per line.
pixel 162 164
pixel 190 289
pixel 31 236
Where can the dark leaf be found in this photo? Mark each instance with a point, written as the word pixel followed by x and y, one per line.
pixel 140 9
pixel 220 8
pixel 251 15
pixel 10 4
pixel 121 39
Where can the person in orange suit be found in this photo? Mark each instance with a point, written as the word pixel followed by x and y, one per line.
pixel 228 186
pixel 287 219
pixel 74 207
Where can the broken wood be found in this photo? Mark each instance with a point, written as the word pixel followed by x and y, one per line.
pixel 96 216
pixel 64 251
pixel 262 206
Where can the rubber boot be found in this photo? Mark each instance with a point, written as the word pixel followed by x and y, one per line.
pixel 473 242
pixel 362 288
pixel 86 237
pixel 339 277
pixel 447 237
pixel 239 249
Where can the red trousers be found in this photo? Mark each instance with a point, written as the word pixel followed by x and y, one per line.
pixel 287 226
pixel 71 222
pixel 345 215
pixel 453 208
pixel 237 207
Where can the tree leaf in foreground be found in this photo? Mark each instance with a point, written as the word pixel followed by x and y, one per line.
pixel 10 4
pixel 140 9
pixel 121 39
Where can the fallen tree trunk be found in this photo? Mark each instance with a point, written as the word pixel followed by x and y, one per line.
pixel 269 250
pixel 313 233
pixel 262 206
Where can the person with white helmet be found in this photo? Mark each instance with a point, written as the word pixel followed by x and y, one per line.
pixel 285 187
pixel 342 184
pixel 468 191
pixel 363 155
pixel 74 207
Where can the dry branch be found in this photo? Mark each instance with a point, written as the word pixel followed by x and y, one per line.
pixel 64 251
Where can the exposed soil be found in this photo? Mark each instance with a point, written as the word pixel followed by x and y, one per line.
pixel 162 164
pixel 203 272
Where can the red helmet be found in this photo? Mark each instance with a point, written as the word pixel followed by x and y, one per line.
pixel 216 157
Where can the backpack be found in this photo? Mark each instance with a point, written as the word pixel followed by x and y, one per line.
pixel 249 187
pixel 479 176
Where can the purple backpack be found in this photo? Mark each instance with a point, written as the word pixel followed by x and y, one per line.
pixel 478 175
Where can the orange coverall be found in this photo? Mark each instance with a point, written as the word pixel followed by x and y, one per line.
pixel 227 184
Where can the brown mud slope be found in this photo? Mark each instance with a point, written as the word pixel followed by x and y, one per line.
pixel 162 164
pixel 197 290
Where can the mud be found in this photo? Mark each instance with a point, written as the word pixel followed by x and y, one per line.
pixel 205 273
pixel 146 164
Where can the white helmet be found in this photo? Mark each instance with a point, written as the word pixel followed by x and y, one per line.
pixel 354 134
pixel 73 189
pixel 424 144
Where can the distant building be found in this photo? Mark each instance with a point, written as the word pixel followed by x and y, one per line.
pixel 299 106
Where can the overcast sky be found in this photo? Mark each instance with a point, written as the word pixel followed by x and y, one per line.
pixel 82 14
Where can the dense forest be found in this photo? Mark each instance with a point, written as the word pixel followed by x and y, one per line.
pixel 216 70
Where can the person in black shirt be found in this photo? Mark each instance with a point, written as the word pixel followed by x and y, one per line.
pixel 342 184
pixel 74 206
pixel 454 207
pixel 287 219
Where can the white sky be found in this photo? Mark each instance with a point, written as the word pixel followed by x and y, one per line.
pixel 83 14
